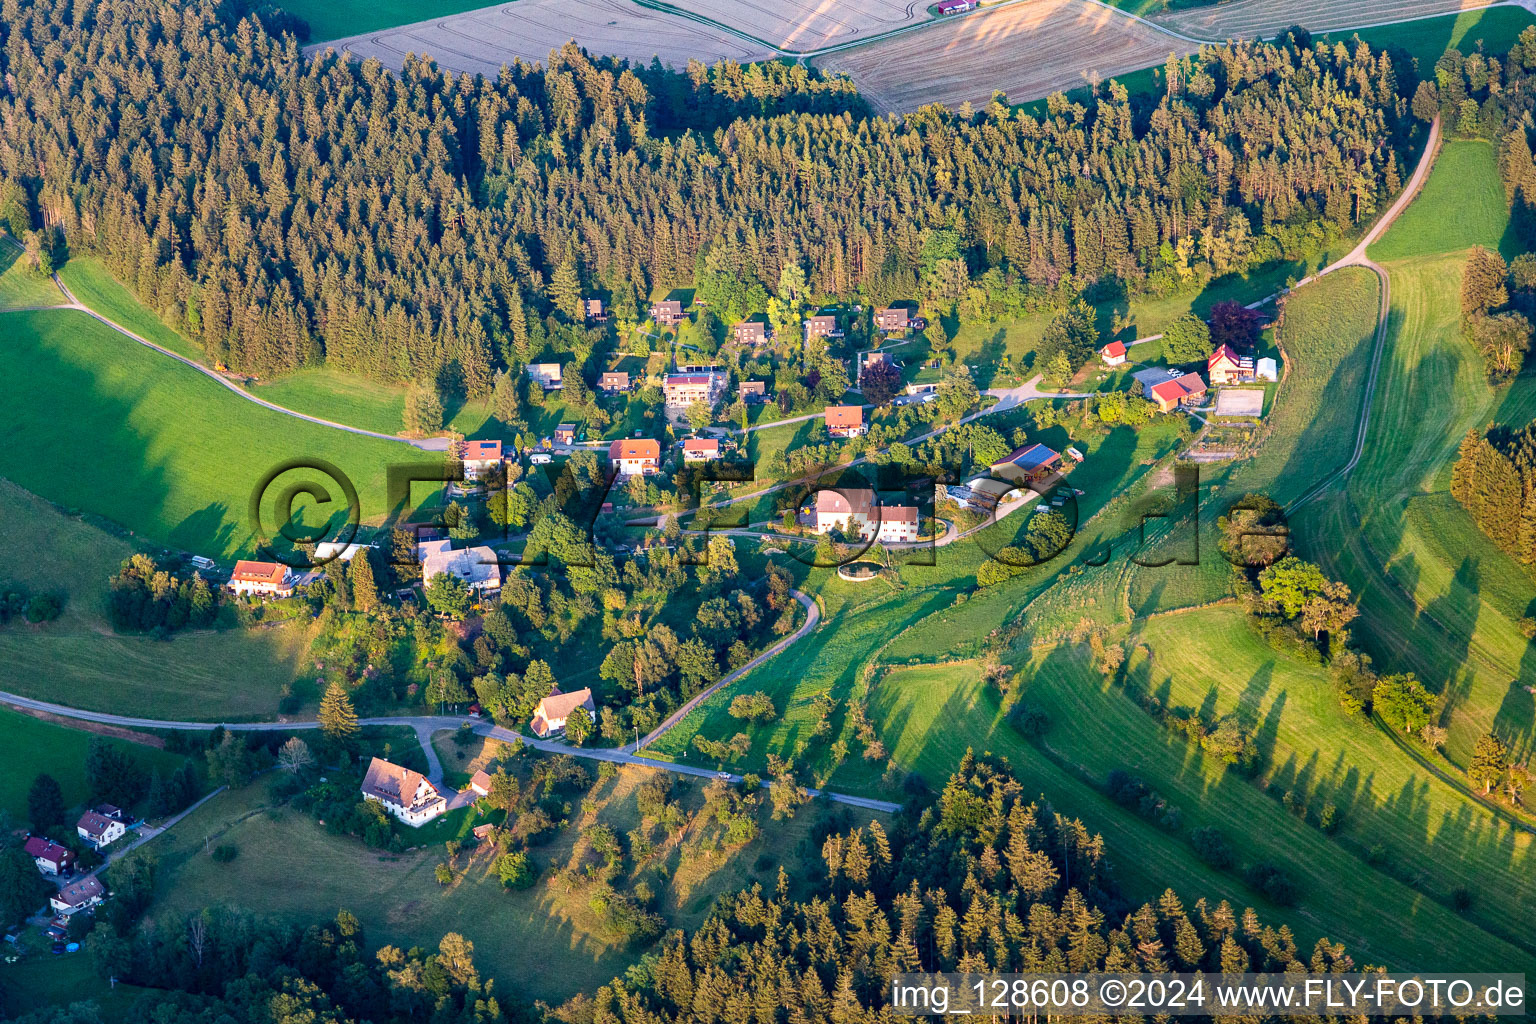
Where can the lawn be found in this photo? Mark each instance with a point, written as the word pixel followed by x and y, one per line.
pixel 1465 179
pixel 1425 39
pixel 19 286
pixel 77 659
pixel 303 874
pixel 154 445
pixel 42 982
pixel 60 752
pixel 93 286
pixel 334 19
pixel 929 715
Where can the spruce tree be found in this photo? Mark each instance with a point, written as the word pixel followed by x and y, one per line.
pixel 337 718
pixel 45 804
pixel 365 593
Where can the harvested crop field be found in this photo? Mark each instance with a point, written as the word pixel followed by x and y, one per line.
pixel 483 40
pixel 1027 50
pixel 799 25
pixel 1245 19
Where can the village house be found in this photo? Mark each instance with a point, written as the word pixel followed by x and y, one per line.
pixel 480 783
pixel 614 382
pixel 547 375
pixel 701 449
pixel 1113 354
pixel 854 511
pixel 565 433
pixel 635 456
pixel 1028 465
pixel 683 389
pixel 753 391
pixel 866 360
pixel 750 332
pixel 595 310
pixel 892 318
pixel 261 579
pixel 476 566
pixel 407 795
pixel 481 457
pixel 49 856
pixel 1185 389
pixel 99 830
pixel 550 716
pixel 846 421
pixel 824 326
pixel 81 894
pixel 1225 366
pixel 668 313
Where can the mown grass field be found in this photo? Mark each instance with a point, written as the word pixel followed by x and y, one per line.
pixel 1425 39
pixel 929 715
pixel 334 19
pixel 95 287
pixel 78 660
pixel 1465 179
pixel 289 867
pixel 42 981
pixel 20 287
pixel 60 752
pixel 154 445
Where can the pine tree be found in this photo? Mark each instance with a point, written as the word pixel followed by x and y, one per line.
pixel 45 804
pixel 565 290
pixel 337 718
pixel 365 593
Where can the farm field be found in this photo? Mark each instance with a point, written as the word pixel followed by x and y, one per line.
pixel 303 874
pixel 1246 19
pixel 965 60
pixel 799 25
pixel 929 715
pixel 78 660
pixel 60 752
pixel 182 454
pixel 331 19
pixel 485 39
pixel 19 286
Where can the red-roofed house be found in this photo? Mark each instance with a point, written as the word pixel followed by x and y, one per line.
pixel 481 457
pixel 98 829
pixel 854 510
pixel 1225 366
pixel 683 389
pixel 846 421
pixel 50 857
pixel 407 795
pixel 701 449
pixel 1113 354
pixel 550 716
pixel 635 456
pixel 264 579
pixel 1187 389
pixel 78 895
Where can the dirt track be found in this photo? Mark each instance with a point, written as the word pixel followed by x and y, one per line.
pixel 1244 19
pixel 483 40
pixel 1028 50
pixel 809 24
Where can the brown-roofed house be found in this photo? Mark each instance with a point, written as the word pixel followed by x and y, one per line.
pixel 668 313
pixel 49 856
pixel 264 579
pixel 550 716
pixel 753 391
pixel 1028 464
pixel 1183 390
pixel 407 795
pixel 595 311
pixel 635 456
pixel 892 318
pixel 824 326
pixel 98 829
pixel 565 433
pixel 81 894
pixel 846 420
pixel 750 332
pixel 613 382
pixel 480 782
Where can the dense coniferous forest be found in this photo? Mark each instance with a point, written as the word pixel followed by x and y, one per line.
pixel 1494 479
pixel 286 210
pixel 982 879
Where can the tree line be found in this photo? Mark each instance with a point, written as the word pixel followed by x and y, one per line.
pixel 1494 479
pixel 411 225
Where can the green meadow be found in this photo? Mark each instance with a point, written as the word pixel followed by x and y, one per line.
pixel 60 752
pixel 20 287
pixel 156 446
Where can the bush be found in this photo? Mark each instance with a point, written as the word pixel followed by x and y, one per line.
pixel 225 853
pixel 1528 627
pixel 1272 882
pixel 44 608
pixel 1212 847
pixel 515 870
pixel 1030 721
pixel 1461 900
